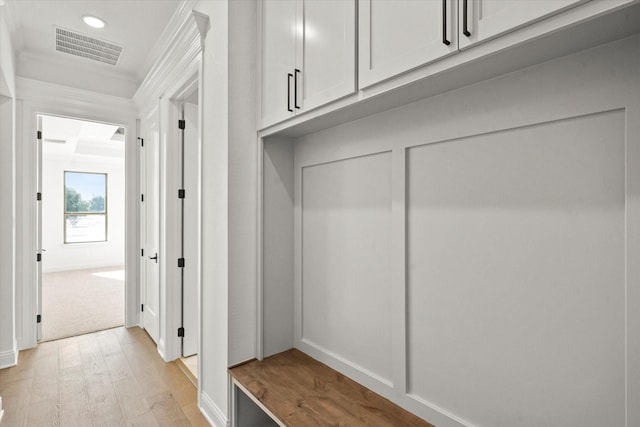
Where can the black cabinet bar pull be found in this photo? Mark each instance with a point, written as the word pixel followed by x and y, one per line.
pixel 444 23
pixel 295 89
pixel 465 19
pixel 289 75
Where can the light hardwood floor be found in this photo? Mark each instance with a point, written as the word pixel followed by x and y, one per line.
pixel 107 378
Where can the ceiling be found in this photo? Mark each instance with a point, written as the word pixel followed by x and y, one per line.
pixel 137 25
pixel 65 136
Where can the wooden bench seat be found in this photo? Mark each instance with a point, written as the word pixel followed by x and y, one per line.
pixel 298 391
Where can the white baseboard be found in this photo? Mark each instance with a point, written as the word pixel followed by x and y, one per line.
pixel 9 358
pixel 212 412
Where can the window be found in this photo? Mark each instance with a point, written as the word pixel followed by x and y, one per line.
pixel 85 207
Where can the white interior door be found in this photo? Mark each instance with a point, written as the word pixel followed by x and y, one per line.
pixel 39 227
pixel 150 225
pixel 190 232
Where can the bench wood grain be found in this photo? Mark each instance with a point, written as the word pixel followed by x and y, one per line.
pixel 300 391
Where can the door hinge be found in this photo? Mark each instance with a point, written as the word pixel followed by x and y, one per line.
pixel 39 135
pixel 39 318
pixel 38 257
pixel 141 252
pixel 141 307
pixel 38 196
pixel 181 332
pixel 142 197
pixel 181 193
pixel 180 262
pixel 141 141
pixel 181 124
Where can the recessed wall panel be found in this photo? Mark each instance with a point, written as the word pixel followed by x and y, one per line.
pixel 346 261
pixel 516 274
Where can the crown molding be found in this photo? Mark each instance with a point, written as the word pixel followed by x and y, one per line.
pixel 177 59
pixel 181 14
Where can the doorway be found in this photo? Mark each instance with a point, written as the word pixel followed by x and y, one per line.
pixel 81 226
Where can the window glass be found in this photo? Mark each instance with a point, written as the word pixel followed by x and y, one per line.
pixel 85 207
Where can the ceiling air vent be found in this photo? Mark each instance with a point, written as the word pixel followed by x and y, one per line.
pixel 87 47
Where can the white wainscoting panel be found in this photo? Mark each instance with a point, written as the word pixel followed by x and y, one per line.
pixel 346 261
pixel 516 274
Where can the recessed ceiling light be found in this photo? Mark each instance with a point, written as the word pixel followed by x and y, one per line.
pixel 92 21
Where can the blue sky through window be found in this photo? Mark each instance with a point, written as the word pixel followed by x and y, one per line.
pixel 87 184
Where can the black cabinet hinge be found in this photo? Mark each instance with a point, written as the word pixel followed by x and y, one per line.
pixel 141 141
pixel 181 124
pixel 38 196
pixel 141 252
pixel 39 135
pixel 39 318
pixel 142 197
pixel 181 193
pixel 181 332
pixel 141 307
pixel 180 262
pixel 38 257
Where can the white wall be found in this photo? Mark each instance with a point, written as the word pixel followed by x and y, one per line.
pixel 60 256
pixel 229 199
pixel 8 346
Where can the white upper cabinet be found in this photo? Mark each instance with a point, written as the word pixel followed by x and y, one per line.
pixel 483 19
pixel 277 59
pixel 326 54
pixel 307 55
pixel 398 35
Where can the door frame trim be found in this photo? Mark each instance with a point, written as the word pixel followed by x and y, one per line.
pixel 50 99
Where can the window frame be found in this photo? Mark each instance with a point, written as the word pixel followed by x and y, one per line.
pixel 65 214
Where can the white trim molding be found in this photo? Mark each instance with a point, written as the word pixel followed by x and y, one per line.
pixel 211 412
pixel 8 359
pixel 182 50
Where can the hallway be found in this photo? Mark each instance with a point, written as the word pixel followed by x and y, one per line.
pixel 109 378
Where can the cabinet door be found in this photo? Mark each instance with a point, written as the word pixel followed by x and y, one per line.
pixel 489 18
pixel 326 52
pixel 398 35
pixel 277 59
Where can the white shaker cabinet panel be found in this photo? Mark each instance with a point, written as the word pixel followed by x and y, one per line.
pixel 399 35
pixel 307 55
pixel 483 19
pixel 277 59
pixel 326 51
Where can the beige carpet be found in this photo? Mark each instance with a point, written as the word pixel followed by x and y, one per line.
pixel 81 301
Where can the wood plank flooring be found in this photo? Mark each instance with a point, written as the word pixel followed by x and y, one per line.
pixel 108 378
pixel 300 391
